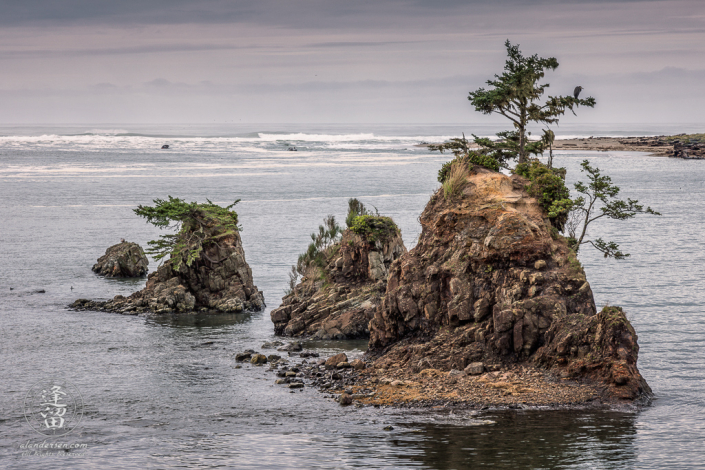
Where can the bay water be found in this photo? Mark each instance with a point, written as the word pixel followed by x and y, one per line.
pixel 163 392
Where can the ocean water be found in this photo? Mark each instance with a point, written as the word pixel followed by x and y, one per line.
pixel 163 392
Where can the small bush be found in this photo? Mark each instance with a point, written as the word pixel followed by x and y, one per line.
pixel 472 158
pixel 355 209
pixel 548 186
pixel 317 253
pixel 374 228
pixel 456 180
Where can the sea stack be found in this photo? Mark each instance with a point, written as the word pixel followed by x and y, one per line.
pixel 219 280
pixel 338 300
pixel 491 286
pixel 126 259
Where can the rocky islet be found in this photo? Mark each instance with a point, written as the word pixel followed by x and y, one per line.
pixel 339 301
pixel 491 308
pixel 126 259
pixel 220 281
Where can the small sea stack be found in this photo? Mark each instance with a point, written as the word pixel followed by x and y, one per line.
pixel 126 259
pixel 206 270
pixel 343 283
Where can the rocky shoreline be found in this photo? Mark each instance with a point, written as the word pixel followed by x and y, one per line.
pixel 362 382
pixel 677 146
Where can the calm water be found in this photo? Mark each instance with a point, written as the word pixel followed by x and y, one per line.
pixel 156 396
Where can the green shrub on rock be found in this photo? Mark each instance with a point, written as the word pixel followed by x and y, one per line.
pixel 374 228
pixel 548 186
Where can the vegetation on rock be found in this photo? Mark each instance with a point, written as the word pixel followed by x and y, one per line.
pixel 374 228
pixel 584 210
pixel 337 284
pixel 459 148
pixel 355 209
pixel 318 252
pixel 516 95
pixel 198 226
pixel 548 186
pixel 700 138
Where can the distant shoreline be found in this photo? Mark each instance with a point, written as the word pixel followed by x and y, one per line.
pixel 654 145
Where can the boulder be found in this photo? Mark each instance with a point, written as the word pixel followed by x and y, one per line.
pixel 333 361
pixel 475 368
pixel 490 284
pixel 345 399
pixel 126 259
pixel 341 308
pixel 258 359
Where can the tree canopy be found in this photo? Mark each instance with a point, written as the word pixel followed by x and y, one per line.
pixel 197 226
pixel 599 199
pixel 516 95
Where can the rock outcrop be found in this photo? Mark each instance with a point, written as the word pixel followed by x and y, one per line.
pixel 691 150
pixel 220 280
pixel 491 282
pixel 126 259
pixel 339 301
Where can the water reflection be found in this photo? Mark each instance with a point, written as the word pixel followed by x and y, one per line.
pixel 200 321
pixel 525 439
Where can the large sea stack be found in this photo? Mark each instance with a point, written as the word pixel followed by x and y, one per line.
pixel 338 300
pixel 491 286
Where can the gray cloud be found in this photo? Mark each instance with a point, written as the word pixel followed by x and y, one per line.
pixel 261 11
pixel 338 61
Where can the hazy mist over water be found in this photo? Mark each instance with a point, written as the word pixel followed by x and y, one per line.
pixel 157 394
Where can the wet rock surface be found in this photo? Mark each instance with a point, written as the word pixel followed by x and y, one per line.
pixel 219 281
pixel 126 259
pixel 488 283
pixel 690 150
pixel 341 306
pixel 517 386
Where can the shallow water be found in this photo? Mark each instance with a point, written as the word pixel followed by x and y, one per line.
pixel 157 395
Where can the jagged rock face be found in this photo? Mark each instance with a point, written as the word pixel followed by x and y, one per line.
pixel 487 270
pixel 220 280
pixel 342 307
pixel 125 259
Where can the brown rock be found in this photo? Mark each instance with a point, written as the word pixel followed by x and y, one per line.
pixel 125 259
pixel 342 307
pixel 333 361
pixel 357 364
pixel 345 399
pixel 258 359
pixel 491 251
pixel 219 280
pixel 476 368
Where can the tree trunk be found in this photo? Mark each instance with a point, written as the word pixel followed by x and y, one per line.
pixel 522 143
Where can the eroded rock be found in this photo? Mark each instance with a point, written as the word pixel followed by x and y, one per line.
pixel 488 285
pixel 342 306
pixel 220 280
pixel 126 259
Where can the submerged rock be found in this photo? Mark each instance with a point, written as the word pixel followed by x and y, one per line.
pixel 489 287
pixel 126 259
pixel 341 306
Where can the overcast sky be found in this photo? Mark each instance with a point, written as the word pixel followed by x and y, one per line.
pixel 339 61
